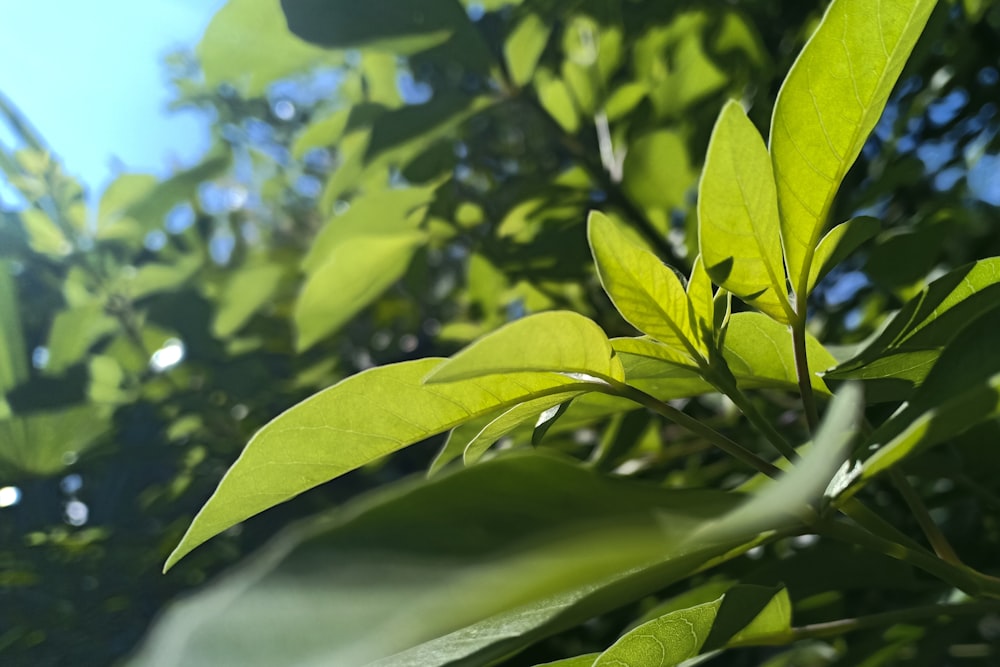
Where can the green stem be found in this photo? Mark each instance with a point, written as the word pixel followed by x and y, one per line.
pixel 914 614
pixel 730 447
pixel 938 541
pixel 965 579
pixel 772 434
pixel 802 367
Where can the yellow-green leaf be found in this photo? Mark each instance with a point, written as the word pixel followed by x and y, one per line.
pixel 524 47
pixel 557 341
pixel 738 227
pixel 826 108
pixel 648 294
pixel 355 422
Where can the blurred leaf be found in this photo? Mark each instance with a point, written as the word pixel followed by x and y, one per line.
pixel 466 569
pixel 124 192
pixel 828 105
pixel 74 332
pixel 377 24
pixel 579 661
pixel 322 133
pixel 13 353
pixel 246 291
pixel 401 134
pixel 648 294
pixel 738 227
pixel 396 212
pixel 44 235
pixel 555 98
pixel 156 277
pixel 45 443
pixel 838 244
pixel 357 272
pixel 150 210
pixel 558 341
pixel 348 425
pixel 276 53
pixel 658 174
pixel 524 46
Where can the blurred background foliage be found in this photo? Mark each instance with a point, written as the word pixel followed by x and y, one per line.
pixel 418 178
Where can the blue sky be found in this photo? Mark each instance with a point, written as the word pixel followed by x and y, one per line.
pixel 88 75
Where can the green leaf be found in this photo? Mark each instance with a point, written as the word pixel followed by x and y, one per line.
pixel 555 98
pixel 557 341
pixel 380 24
pixel 759 352
pixel 579 661
pixel 44 235
pixel 743 615
pixel 648 294
pixel 838 244
pixel 699 292
pixel 900 357
pixel 828 105
pixel 322 133
pixel 355 422
pixel 960 391
pixel 524 47
pixel 519 415
pixel 246 292
pixel 356 273
pixel 738 226
pixel 664 642
pixel 158 277
pixel 123 193
pixel 465 569
pixel 276 53
pixel 380 212
pixel 150 210
pixel 45 443
pixel 795 497
pixel 74 332
pixel 658 175
pixel 13 353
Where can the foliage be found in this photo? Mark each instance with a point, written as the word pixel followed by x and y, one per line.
pixel 472 204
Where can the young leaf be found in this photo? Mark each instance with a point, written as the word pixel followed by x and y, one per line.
pixel 557 341
pixel 828 105
pixel 355 422
pixel 467 568
pixel 699 292
pixel 838 243
pixel 738 228
pixel 578 661
pixel 648 294
pixel 356 273
pixel 519 415
pixel 666 641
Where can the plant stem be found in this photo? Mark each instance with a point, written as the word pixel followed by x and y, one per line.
pixel 937 540
pixel 842 626
pixel 772 434
pixel 730 447
pixel 802 367
pixel 964 578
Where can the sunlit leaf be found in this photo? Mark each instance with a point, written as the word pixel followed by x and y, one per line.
pixel 356 273
pixel 45 443
pixel 517 416
pixel 158 277
pixel 348 425
pixel 738 227
pixel 321 133
pixel 389 212
pixel 558 341
pixel 702 300
pixel 524 47
pixel 245 293
pixel 648 294
pixel 556 99
pixel 657 174
pixel 74 331
pixel 44 235
pixel 838 243
pixel 579 661
pixel 465 569
pixel 826 108
pixel 150 209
